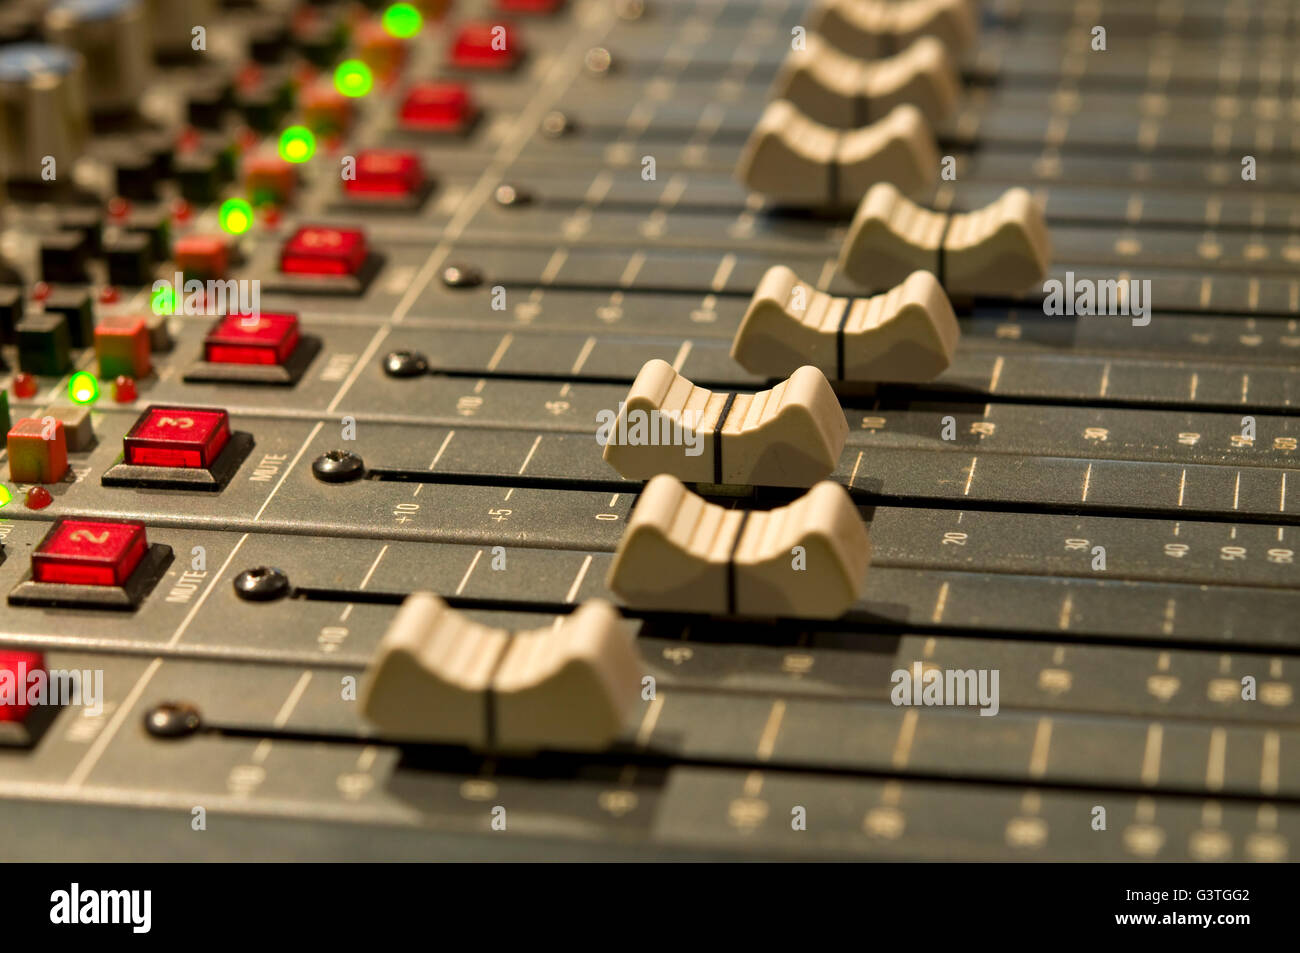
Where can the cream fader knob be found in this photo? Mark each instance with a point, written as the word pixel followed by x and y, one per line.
pixel 793 160
pixel 906 334
pixel 872 28
pixel 42 109
pixel 1001 249
pixel 791 435
pixel 431 673
pixel 571 687
pixel 844 92
pixel 807 559
pixel 172 23
pixel 439 677
pixel 114 38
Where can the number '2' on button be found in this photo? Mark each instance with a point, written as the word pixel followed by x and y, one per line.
pixel 89 552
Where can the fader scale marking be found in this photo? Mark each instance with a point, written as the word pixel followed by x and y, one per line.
pixel 358 557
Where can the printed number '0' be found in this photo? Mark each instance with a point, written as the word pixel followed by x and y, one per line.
pixel 185 423
pixel 86 536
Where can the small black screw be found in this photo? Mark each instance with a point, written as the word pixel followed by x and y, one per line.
pixel 556 125
pixel 405 364
pixel 509 196
pixel 261 584
pixel 338 466
pixel 172 720
pixel 630 9
pixel 598 60
pixel 461 276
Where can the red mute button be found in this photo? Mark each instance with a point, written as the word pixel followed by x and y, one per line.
pixel 252 339
pixel 533 7
pixel 436 107
pixel 177 437
pixel 319 250
pixel 485 46
pixel 384 173
pixel 15 671
pixel 89 552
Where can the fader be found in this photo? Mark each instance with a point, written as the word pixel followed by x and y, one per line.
pixel 327 331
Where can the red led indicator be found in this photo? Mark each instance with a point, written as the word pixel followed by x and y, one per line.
pixel 177 437
pixel 319 250
pixel 25 385
pixel 89 552
pixel 252 339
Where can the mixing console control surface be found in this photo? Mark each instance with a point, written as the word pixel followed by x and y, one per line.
pixel 650 422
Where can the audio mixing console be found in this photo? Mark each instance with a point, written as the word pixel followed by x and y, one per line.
pixel 649 430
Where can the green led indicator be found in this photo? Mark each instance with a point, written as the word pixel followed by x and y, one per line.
pixel 297 144
pixel 5 495
pixel 83 388
pixel 163 300
pixel 353 78
pixel 237 215
pixel 403 21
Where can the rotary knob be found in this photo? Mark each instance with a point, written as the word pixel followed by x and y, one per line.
pixel 43 104
pixel 113 36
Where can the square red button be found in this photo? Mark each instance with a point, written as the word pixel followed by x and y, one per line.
pixel 269 180
pixel 19 666
pixel 386 173
pixel 89 552
pixel 535 7
pixel 326 111
pixel 201 256
pixel 38 450
pixel 122 347
pixel 437 107
pixel 379 49
pixel 177 437
pixel 252 339
pixel 485 46
pixel 320 250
